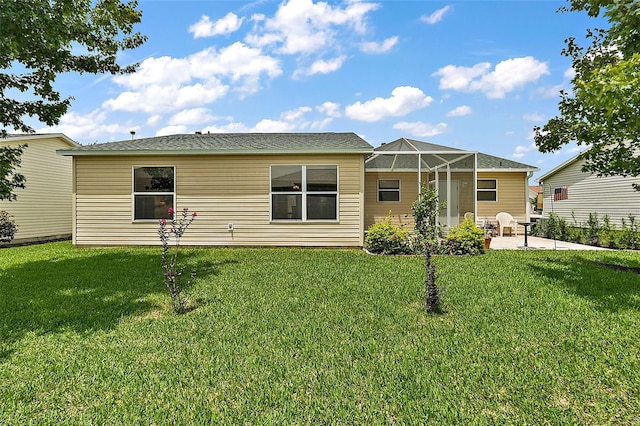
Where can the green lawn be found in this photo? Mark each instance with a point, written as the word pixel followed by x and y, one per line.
pixel 287 336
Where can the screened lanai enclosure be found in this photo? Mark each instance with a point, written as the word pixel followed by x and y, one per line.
pixel 395 172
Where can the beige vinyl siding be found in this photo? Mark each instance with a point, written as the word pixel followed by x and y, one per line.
pixel 613 196
pixel 400 211
pixel 43 209
pixel 222 190
pixel 512 196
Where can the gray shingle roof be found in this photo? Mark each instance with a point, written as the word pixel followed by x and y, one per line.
pixel 229 143
pixel 486 161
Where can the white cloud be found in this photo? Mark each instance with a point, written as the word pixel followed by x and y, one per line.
pixel 227 128
pixel 274 126
pixel 549 92
pixel 506 77
pixel 302 26
pixel 295 114
pixel 191 116
pixel 226 25
pixel 459 78
pixel 403 100
pixel 533 117
pixel 382 47
pixel 436 16
pixel 460 111
pixel 421 129
pixel 153 120
pixel 522 150
pixel 88 127
pixel 325 67
pixel 169 84
pixel 155 99
pixel 331 109
pixel 570 73
pixel 171 130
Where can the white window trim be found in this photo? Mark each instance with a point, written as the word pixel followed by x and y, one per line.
pixel 303 193
pixel 134 193
pixel 487 190
pixel 399 190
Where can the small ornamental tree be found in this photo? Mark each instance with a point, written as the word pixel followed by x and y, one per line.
pixel 172 272
pixel 425 213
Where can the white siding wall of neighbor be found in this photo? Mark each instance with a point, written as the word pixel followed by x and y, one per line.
pixel 586 193
pixel 222 190
pixel 43 209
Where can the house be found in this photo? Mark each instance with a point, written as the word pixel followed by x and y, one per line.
pixel 469 182
pixel 293 189
pixel 276 189
pixel 572 194
pixel 536 198
pixel 43 210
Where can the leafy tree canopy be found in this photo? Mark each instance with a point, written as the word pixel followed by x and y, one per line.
pixel 9 180
pixel 603 111
pixel 44 38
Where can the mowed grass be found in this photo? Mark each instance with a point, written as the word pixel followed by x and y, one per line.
pixel 294 336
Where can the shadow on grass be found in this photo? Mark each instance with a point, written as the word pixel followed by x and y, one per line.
pixel 85 293
pixel 604 280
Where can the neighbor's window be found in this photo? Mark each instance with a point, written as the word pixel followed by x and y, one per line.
pixel 560 194
pixel 302 193
pixel 389 190
pixel 487 190
pixel 153 192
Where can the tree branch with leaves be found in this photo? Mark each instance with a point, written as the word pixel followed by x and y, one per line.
pixel 602 111
pixel 10 179
pixel 44 38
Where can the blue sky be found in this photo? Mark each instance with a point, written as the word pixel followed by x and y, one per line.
pixel 474 75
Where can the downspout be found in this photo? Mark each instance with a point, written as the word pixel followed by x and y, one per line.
pixel 419 174
pixel 475 185
pixel 526 197
pixel 448 196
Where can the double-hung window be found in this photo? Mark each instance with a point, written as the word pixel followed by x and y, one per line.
pixel 389 190
pixel 304 193
pixel 487 190
pixel 154 192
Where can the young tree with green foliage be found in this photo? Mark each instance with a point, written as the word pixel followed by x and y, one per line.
pixel 425 213
pixel 9 179
pixel 44 38
pixel 602 112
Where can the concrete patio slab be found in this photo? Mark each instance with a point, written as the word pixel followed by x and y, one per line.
pixel 515 243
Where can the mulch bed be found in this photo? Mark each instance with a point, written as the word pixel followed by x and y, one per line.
pixel 620 267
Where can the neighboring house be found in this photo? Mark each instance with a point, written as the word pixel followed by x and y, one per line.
pixel 277 189
pixel 43 210
pixel 573 194
pixel 468 181
pixel 536 198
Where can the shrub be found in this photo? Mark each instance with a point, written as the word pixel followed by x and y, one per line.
pixel 8 228
pixel 386 238
pixel 172 272
pixel 555 227
pixel 593 230
pixel 467 238
pixel 628 236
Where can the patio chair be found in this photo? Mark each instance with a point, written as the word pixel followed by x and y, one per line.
pixel 505 220
pixel 471 215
